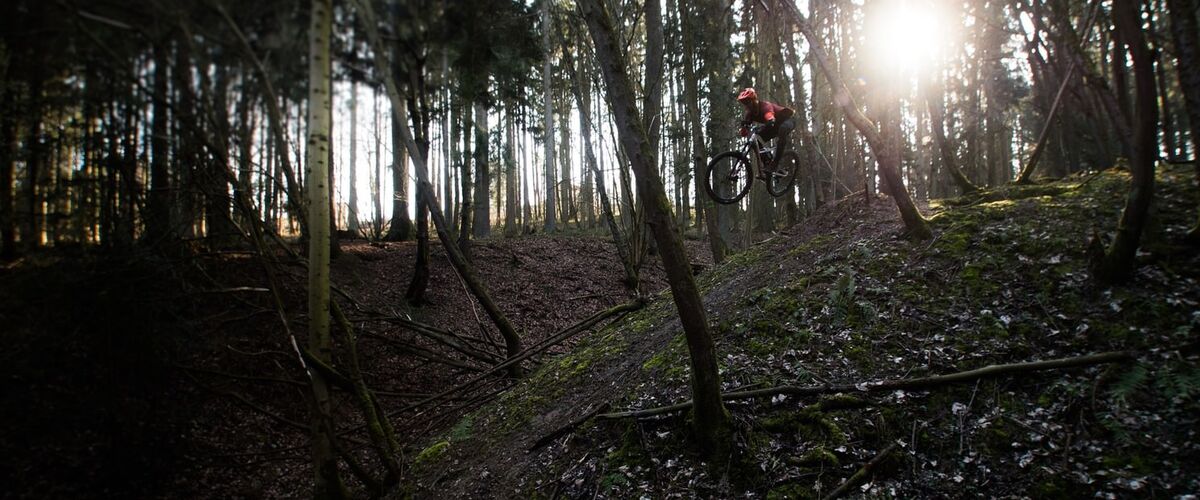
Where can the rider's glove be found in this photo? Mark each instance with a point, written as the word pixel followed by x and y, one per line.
pixel 744 131
pixel 771 122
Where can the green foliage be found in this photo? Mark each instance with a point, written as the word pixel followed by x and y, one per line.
pixel 462 430
pixel 492 39
pixel 841 296
pixel 1180 381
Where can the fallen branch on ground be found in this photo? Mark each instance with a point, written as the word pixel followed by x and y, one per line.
pixel 443 337
pixel 891 385
pixel 251 378
pixel 422 353
pixel 529 352
pixel 862 473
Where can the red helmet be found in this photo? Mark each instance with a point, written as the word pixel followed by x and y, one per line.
pixel 748 94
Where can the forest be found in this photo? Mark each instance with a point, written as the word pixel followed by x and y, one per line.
pixel 600 248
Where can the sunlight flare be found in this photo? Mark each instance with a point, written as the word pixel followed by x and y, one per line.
pixel 907 35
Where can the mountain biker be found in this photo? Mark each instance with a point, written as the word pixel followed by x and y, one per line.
pixel 778 120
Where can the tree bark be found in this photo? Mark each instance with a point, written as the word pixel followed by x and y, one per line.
pixel 328 483
pixel 511 202
pixel 481 223
pixel 418 109
pixel 717 27
pixel 711 420
pixel 549 225
pixel 352 210
pixel 402 225
pixel 466 211
pixel 158 212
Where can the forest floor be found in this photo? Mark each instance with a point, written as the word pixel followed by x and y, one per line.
pixel 845 298
pixel 141 376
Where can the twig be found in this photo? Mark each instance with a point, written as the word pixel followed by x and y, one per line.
pixel 422 353
pixel 890 385
pixel 487 334
pixel 252 405
pixel 237 289
pixel 242 377
pixel 545 344
pixel 862 473
pixel 548 438
pixel 443 337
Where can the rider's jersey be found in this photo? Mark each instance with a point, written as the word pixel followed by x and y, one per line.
pixel 767 111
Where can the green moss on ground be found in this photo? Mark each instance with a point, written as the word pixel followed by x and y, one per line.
pixel 1004 279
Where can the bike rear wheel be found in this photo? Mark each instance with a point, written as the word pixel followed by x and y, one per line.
pixel 728 177
pixel 781 180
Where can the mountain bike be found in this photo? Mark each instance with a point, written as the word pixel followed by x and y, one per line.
pixel 730 174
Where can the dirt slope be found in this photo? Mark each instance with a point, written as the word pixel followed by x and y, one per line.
pixel 846 298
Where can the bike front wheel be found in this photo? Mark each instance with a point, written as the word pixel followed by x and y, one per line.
pixel 781 180
pixel 728 177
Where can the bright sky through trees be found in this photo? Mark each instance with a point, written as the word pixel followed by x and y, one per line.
pixel 906 35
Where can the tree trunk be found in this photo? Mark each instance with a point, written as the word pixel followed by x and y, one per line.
pixel 1119 261
pixel 217 207
pixel 482 221
pixel 565 200
pixel 415 295
pixel 377 178
pixel 245 150
pixel 1186 35
pixel 129 186
pixel 352 180
pixel 402 225
pixel 652 87
pixel 510 173
pixel 328 483
pixel 549 225
pixel 158 212
pixel 31 238
pixel 711 420
pixel 465 213
pixel 8 157
pixel 717 27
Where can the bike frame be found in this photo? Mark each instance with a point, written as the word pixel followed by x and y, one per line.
pixel 751 146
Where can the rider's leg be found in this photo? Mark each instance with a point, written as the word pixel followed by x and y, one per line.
pixel 785 131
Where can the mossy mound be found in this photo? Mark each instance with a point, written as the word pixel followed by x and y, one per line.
pixel 847 298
